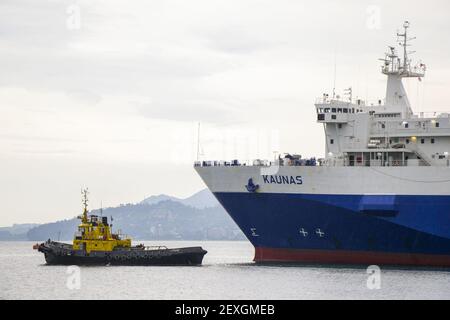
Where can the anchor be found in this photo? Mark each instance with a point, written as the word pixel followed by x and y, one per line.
pixel 251 187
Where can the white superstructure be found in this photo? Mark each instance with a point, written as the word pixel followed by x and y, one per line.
pixel 370 148
pixel 387 133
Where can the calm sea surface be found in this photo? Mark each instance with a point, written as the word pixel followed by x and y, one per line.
pixel 228 273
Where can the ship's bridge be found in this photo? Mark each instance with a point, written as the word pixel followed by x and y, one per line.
pixel 337 110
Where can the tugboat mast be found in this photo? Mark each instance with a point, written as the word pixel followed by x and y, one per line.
pixel 85 200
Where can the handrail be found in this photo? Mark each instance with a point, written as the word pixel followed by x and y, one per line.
pixel 339 162
pixel 414 147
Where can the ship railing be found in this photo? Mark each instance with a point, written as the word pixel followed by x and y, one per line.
pixel 374 163
pixel 332 162
pixel 284 162
pixel 414 131
pixel 338 100
pixel 432 114
pixel 121 236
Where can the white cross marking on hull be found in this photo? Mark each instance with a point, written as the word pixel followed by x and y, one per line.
pixel 320 233
pixel 303 232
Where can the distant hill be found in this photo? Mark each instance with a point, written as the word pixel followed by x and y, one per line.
pixel 200 200
pixel 159 198
pixel 162 217
pixel 16 232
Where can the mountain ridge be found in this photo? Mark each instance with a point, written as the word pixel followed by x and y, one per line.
pixel 200 200
pixel 160 217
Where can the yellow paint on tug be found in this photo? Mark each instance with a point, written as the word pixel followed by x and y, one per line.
pixel 94 233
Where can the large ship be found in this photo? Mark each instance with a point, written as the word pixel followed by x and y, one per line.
pixel 381 194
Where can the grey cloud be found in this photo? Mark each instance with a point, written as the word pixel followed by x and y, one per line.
pixel 189 110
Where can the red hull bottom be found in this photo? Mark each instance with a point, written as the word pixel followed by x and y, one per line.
pixel 349 257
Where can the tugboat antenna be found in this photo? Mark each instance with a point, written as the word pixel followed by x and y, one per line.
pixel 85 193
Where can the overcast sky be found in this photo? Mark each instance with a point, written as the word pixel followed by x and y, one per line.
pixel 108 94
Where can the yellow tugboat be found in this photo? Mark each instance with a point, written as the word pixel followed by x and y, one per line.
pixel 94 243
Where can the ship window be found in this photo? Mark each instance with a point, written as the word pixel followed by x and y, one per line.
pixel 321 117
pixel 432 140
pixel 333 117
pixel 340 126
pixel 339 110
pixel 331 141
pixel 407 141
pixel 422 141
pixel 406 125
pixel 345 110
pixel 383 126
pixel 437 124
pixel 333 110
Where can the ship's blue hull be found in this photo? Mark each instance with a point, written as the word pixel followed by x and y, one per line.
pixel 383 229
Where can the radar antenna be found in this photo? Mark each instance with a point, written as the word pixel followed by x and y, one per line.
pixel 403 41
pixel 393 64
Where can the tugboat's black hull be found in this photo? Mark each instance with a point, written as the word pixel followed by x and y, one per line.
pixel 62 254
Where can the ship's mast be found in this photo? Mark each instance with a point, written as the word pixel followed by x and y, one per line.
pixel 85 193
pixel 404 43
pixel 396 70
